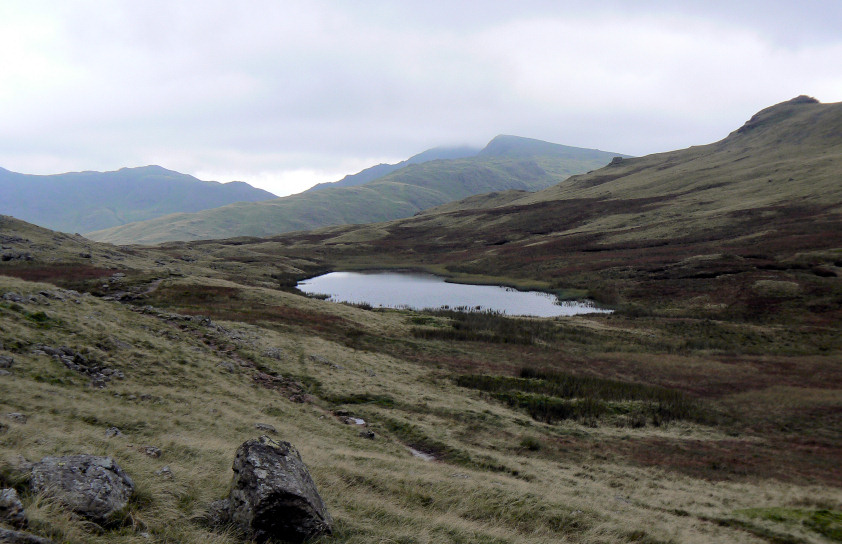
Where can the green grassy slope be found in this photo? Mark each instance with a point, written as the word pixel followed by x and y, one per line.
pixel 522 164
pixel 380 170
pixel 86 201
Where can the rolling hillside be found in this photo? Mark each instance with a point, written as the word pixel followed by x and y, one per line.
pixel 703 224
pixel 86 201
pixel 507 163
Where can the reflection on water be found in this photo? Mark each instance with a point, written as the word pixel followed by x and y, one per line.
pixel 420 291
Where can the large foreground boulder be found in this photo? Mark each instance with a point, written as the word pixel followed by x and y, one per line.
pixel 93 487
pixel 8 536
pixel 11 509
pixel 273 495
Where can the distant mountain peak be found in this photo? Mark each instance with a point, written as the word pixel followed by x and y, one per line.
pixel 506 145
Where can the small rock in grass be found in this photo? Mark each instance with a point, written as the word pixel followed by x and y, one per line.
pixel 265 427
pixel 6 361
pixel 165 472
pixel 112 432
pixel 17 417
pixel 152 451
pixel 368 434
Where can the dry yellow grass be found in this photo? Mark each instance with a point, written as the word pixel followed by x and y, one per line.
pixel 176 396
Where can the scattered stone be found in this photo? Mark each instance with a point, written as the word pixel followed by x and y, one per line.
pixel 12 297
pixel 112 432
pixel 227 366
pixel 17 417
pixel 152 451
pixel 93 487
pixel 11 509
pixel 321 360
pixel 16 256
pixel 273 495
pixel 165 472
pixel 369 434
pixel 4 372
pixel 6 361
pixel 288 387
pixel 274 353
pixel 350 420
pixel 100 375
pixel 265 427
pixel 9 536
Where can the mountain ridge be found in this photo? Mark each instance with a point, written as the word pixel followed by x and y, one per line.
pixel 90 200
pixel 401 193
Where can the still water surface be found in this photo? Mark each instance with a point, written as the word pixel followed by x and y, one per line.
pixel 421 291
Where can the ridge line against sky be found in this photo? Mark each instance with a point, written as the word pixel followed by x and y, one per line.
pixel 286 94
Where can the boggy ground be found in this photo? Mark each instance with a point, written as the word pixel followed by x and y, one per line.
pixel 656 426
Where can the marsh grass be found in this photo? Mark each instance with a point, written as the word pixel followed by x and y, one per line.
pixel 486 326
pixel 552 396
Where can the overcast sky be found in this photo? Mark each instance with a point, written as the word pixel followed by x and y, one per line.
pixel 284 94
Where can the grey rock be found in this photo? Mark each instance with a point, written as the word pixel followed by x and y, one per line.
pixel 227 366
pixel 368 434
pixel 165 472
pixel 8 536
pixel 93 487
pixel 6 361
pixel 112 432
pixel 11 509
pixel 273 495
pixel 265 427
pixel 4 372
pixel 152 451
pixel 12 297
pixel 17 417
pixel 274 353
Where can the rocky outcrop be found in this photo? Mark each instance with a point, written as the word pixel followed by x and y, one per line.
pixel 93 487
pixel 272 495
pixel 11 509
pixel 7 536
pixel 100 374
